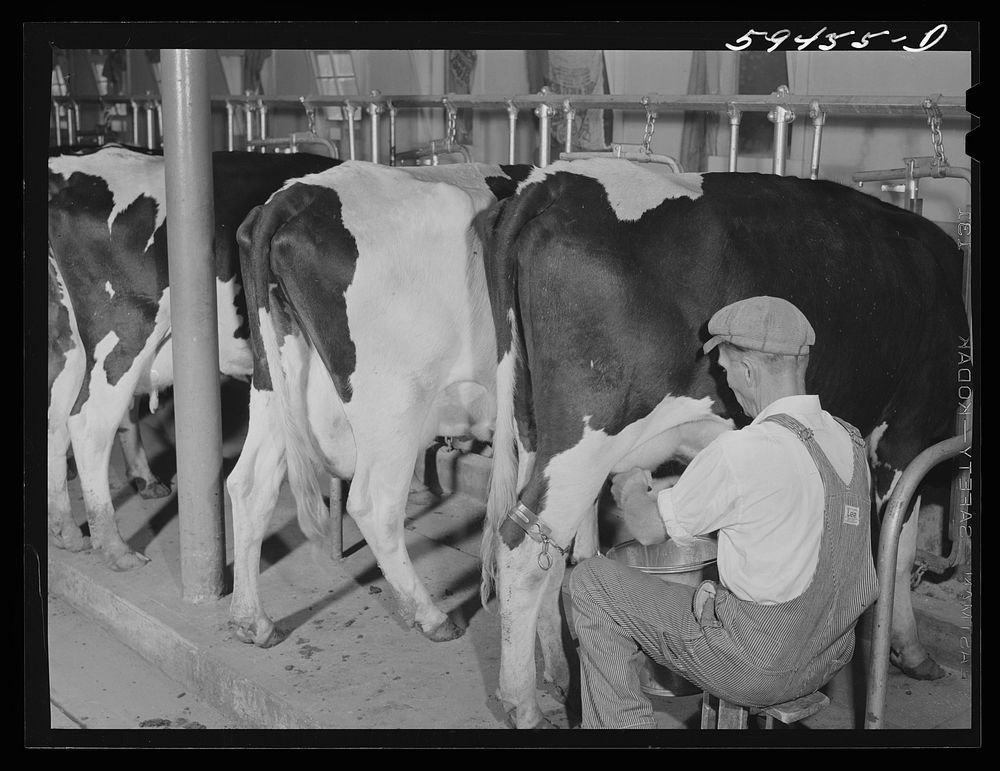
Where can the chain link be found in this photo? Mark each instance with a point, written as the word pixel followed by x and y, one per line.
pixel 918 574
pixel 452 124
pixel 934 122
pixel 647 136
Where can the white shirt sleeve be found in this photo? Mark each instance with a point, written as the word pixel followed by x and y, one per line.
pixel 705 498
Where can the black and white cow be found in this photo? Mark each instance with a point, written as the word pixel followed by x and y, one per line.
pixel 109 314
pixel 372 334
pixel 603 275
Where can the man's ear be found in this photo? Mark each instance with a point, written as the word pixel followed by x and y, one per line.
pixel 749 373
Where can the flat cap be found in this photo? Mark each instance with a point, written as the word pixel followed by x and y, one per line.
pixel 767 324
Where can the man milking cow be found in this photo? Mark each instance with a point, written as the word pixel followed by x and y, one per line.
pixel 788 495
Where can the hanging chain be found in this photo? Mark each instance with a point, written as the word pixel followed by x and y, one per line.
pixel 934 121
pixel 452 123
pixel 647 136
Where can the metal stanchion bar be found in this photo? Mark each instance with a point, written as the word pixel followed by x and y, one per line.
pixel 781 116
pixel 74 120
pixel 392 134
pixel 230 128
pixel 135 121
pixel 888 548
pixel 58 109
pixel 570 114
pixel 543 134
pixel 735 115
pixel 512 123
pixel 818 119
pixel 262 123
pixel 349 111
pixel 194 325
pixel 373 110
pixel 149 126
pixel 248 112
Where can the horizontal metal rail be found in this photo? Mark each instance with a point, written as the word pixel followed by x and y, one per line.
pixel 901 106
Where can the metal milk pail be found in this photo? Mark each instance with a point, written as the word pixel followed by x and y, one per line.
pixel 670 561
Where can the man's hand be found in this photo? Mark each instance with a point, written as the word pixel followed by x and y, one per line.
pixel 642 516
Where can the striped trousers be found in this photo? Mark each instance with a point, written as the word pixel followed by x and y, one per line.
pixel 620 613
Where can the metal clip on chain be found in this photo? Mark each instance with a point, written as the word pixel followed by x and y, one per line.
pixel 647 136
pixel 934 122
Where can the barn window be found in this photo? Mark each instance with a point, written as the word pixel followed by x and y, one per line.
pixel 760 72
pixel 334 74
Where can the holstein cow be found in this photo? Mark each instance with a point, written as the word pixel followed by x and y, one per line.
pixel 372 334
pixel 109 314
pixel 603 275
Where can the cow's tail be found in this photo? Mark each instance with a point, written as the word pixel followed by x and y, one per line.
pixel 255 241
pixel 501 257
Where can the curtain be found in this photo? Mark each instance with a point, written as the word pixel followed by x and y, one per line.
pixel 253 62
pixel 699 136
pixel 114 70
pixel 458 80
pixel 572 72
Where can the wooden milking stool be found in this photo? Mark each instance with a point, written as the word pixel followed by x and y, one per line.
pixel 719 713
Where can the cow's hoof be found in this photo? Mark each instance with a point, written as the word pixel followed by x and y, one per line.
pixel 75 542
pixel 447 630
pixel 149 491
pixel 928 669
pixel 127 561
pixel 543 723
pixel 422 497
pixel 247 633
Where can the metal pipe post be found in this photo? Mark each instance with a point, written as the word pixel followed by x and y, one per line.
pixel 373 111
pixel 135 121
pixel 230 128
pixel 262 122
pixel 191 265
pixel 392 135
pixel 888 553
pixel 818 119
pixel 248 111
pixel 512 123
pixel 735 115
pixel 781 117
pixel 543 133
pixel 149 126
pixel 349 109
pixel 74 124
pixel 570 114
pixel 57 107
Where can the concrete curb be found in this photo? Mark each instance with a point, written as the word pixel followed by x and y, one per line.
pixel 160 642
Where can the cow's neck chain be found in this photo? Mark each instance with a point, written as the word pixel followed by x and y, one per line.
pixel 537 530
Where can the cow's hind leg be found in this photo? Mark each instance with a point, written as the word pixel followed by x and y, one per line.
pixel 63 530
pixel 906 651
pixel 521 586
pixel 253 486
pixel 377 503
pixel 137 468
pixel 92 431
pixel 550 630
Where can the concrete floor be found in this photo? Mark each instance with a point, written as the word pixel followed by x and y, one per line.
pixel 348 662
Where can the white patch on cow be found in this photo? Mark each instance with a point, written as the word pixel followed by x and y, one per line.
pixel 872 441
pixel 235 357
pixel 109 289
pixel 881 499
pixel 128 174
pixel 632 188
pixel 678 427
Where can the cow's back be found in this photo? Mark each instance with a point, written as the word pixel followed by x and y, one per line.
pixel 880 284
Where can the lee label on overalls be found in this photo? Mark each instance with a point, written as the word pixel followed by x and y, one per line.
pixel 852 515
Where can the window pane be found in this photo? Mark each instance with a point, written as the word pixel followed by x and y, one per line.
pixel 324 65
